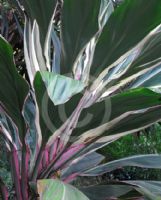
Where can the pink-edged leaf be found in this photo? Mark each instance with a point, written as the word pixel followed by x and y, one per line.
pixel 7 137
pixel 149 189
pixel 54 149
pixel 61 162
pixel 45 160
pixel 32 133
pixel 143 161
pixel 38 165
pixel 10 130
pixel 15 169
pixel 68 154
pixel 25 171
pixel 81 164
pixel 70 178
pixel 106 192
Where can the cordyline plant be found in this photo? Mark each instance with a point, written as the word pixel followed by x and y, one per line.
pixel 91 83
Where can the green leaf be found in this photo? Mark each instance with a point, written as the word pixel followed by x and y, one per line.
pixel 105 111
pixel 151 79
pixel 48 112
pixel 13 88
pixel 82 164
pixel 79 25
pixel 146 65
pixel 135 121
pixel 42 12
pixel 134 99
pixel 57 190
pixel 32 136
pixel 103 192
pixel 51 117
pixel 127 26
pixel 148 56
pixel 129 122
pixel 61 88
pixel 150 189
pixel 144 161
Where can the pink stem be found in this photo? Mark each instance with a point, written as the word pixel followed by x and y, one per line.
pixel 16 173
pixel 24 171
pixel 37 164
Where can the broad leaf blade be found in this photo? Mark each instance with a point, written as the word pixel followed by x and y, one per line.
pixel 151 79
pixel 144 161
pixel 135 99
pixel 149 54
pixel 82 164
pixel 129 24
pixel 48 113
pixel 145 70
pixel 82 66
pixel 13 88
pixel 42 12
pixel 61 88
pixel 150 189
pixel 103 192
pixel 32 135
pixel 57 190
pixel 130 122
pixel 79 25
pixel 110 108
pixel 51 116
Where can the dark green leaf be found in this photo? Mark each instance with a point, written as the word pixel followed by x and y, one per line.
pixel 103 192
pixel 149 55
pixel 129 24
pixel 105 111
pixel 32 136
pixel 133 100
pixel 151 79
pixel 42 11
pixel 79 25
pixel 135 121
pixel 144 161
pixel 82 164
pixel 51 116
pixel 13 88
pixel 129 122
pixel 150 189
